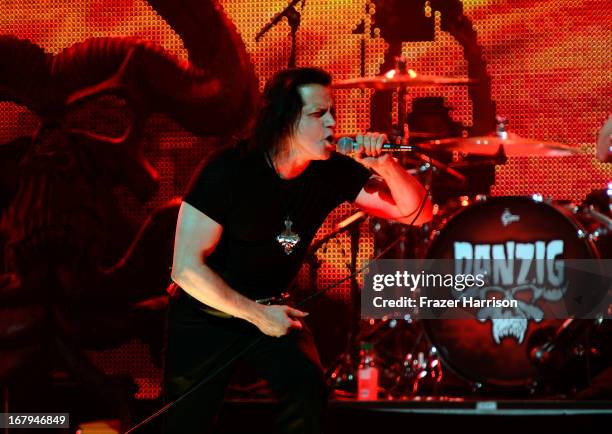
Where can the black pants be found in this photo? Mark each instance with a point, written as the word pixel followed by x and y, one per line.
pixel 199 344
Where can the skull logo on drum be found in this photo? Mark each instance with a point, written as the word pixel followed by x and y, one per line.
pixel 525 275
pixel 512 322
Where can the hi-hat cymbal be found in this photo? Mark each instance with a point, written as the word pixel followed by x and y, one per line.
pixel 489 146
pixel 394 79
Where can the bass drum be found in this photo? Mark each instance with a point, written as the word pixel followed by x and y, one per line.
pixel 495 353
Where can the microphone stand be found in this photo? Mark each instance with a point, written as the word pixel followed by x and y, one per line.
pixel 293 18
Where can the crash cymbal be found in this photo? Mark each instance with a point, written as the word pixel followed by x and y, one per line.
pixel 394 79
pixel 489 146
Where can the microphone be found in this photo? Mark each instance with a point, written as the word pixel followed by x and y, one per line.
pixel 347 145
pixel 276 19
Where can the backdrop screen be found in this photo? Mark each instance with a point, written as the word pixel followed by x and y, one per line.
pixel 549 62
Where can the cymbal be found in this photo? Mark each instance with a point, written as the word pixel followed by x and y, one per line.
pixel 394 79
pixel 422 135
pixel 489 146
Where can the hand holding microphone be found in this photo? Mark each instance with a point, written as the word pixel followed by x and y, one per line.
pixel 368 149
pixel 370 144
pixel 373 142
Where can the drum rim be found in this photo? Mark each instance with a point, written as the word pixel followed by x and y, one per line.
pixel 499 384
pixel 566 213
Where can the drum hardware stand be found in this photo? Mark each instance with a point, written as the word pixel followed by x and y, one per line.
pixel 415 366
pixel 402 126
pixel 572 337
pixel 342 373
pixel 500 127
pixel 293 18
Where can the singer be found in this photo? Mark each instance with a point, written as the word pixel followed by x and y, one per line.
pixel 243 229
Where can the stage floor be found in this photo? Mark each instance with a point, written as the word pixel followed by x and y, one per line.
pixel 451 415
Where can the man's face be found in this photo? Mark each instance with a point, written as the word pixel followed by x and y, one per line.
pixel 315 127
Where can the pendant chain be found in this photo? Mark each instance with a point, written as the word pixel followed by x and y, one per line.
pixel 288 239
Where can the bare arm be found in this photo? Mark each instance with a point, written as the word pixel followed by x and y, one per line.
pixel 394 194
pixel 197 236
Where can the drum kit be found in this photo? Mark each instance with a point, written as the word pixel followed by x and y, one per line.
pixel 414 355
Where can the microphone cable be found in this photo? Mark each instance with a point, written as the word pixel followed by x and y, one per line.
pixel 318 293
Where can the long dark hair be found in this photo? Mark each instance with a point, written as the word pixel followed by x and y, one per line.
pixel 281 107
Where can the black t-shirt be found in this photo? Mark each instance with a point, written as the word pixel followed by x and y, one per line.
pixel 244 194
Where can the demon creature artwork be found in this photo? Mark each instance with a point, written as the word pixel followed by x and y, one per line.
pixel 64 287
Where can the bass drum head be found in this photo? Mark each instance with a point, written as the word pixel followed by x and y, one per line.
pixel 496 352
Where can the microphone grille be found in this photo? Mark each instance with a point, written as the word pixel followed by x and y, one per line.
pixel 344 145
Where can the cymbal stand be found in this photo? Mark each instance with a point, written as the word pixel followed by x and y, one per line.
pixel 402 136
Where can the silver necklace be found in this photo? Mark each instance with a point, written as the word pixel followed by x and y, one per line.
pixel 287 238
